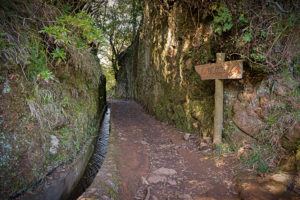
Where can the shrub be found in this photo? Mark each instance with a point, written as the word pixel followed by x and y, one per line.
pixel 36 64
pixel 222 20
pixel 70 28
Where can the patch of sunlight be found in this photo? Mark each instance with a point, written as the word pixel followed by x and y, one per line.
pixel 204 158
pixel 180 72
pixel 228 183
pixel 186 45
pixel 188 108
pixel 219 163
pixel 165 51
pixel 147 11
pixel 169 49
pixel 203 34
pixel 275 188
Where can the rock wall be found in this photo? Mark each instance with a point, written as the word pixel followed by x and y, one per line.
pixel 157 70
pixel 63 180
pixel 50 109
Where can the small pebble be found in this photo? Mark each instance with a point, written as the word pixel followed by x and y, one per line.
pixel 186 136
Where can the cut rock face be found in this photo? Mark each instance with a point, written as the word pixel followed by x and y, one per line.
pixel 248 124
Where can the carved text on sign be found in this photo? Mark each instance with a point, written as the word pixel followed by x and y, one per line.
pixel 223 70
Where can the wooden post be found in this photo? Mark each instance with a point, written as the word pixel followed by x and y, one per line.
pixel 218 118
pixel 218 71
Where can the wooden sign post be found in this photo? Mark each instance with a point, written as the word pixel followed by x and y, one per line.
pixel 218 71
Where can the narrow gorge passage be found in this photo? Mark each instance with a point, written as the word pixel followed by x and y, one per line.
pixel 154 158
pixel 216 90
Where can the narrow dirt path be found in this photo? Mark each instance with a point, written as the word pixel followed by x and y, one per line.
pixel 155 162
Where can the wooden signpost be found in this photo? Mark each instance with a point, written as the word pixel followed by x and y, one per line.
pixel 218 71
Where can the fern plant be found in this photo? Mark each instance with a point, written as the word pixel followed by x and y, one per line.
pixel 222 20
pixel 60 33
pixel 70 28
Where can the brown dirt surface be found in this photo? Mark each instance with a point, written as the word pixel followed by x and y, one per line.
pixel 155 162
pixel 150 160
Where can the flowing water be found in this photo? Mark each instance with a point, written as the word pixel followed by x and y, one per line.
pixel 96 159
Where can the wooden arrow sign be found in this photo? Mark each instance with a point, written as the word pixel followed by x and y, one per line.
pixel 217 71
pixel 222 70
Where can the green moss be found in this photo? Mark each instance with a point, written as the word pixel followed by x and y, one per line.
pixel 197 110
pixel 203 54
pixel 160 112
pixel 298 156
pixel 163 109
pixel 179 117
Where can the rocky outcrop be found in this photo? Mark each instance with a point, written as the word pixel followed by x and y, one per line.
pixel 260 112
pixel 275 186
pixel 249 123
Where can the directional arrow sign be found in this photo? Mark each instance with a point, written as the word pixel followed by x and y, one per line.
pixel 223 70
pixel 217 71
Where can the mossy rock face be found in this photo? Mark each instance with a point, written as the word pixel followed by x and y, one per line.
pixel 165 81
pixel 44 123
pixel 298 159
pixel 162 112
pixel 198 109
pixel 45 126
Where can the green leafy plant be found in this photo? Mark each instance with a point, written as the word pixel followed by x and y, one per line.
pixel 257 161
pixel 45 75
pixel 60 33
pixel 259 53
pixel 263 33
pixel 37 62
pixel 271 119
pixel 112 193
pixel 247 37
pixel 4 43
pixel 80 43
pixel 258 57
pixel 78 28
pixel 222 20
pixel 222 149
pixel 59 54
pixel 243 19
pixel 66 102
